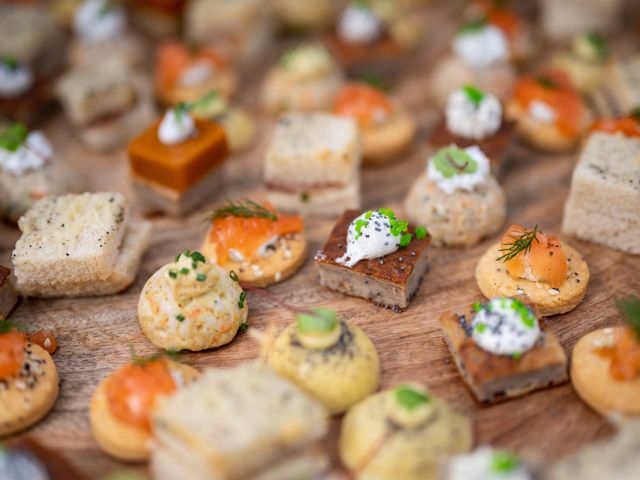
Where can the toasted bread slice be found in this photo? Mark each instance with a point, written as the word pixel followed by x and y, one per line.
pixel 200 429
pixel 124 272
pixel 70 238
pixel 492 378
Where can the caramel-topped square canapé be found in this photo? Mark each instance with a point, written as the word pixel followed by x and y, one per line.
pixel 175 178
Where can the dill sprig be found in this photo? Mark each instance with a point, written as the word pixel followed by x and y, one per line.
pixel 142 361
pixel 519 244
pixel 244 209
pixel 635 114
pixel 630 307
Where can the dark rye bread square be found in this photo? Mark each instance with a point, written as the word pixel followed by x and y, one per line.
pixel 495 378
pixel 494 147
pixel 390 281
pixel 8 295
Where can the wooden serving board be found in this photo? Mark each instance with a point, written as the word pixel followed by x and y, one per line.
pixel 94 333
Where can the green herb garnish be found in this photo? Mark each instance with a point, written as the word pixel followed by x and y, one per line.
pixel 201 277
pixel 180 317
pixel 405 239
pixel 547 82
pixel 13 137
pixel 184 271
pixel 421 233
pixel 475 95
pixel 630 307
pixel 244 326
pixel 244 209
pixel 173 274
pixel 234 276
pixel 521 243
pixel 473 26
pixel 317 320
pixel 504 462
pixel 410 398
pixel 304 197
pixel 598 44
pixel 526 315
pixel 375 81
pixel 241 299
pixel 516 356
pixel 10 62
pixel 480 327
pixel 477 306
pixel 635 114
pixel 452 161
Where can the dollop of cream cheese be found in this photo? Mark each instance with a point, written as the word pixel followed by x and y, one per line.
pixel 504 326
pixel 15 79
pixel 307 62
pixel 542 111
pixel 472 118
pixel 369 237
pixel 99 20
pixel 450 181
pixel 33 154
pixel 176 126
pixel 485 463
pixel 198 73
pixel 359 24
pixel 482 47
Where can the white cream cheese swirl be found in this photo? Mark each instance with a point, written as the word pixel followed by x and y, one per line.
pixel 454 169
pixel 473 114
pixel 176 126
pixel 359 24
pixel 15 78
pixel 33 154
pixel 369 237
pixel 99 21
pixel 504 326
pixel 485 463
pixel 481 47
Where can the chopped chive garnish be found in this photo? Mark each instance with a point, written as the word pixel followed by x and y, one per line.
pixel 201 277
pixel 173 273
pixel 180 317
pixel 516 356
pixel 477 306
pixel 405 239
pixel 421 233
pixel 244 326
pixel 304 197
pixel 504 462
pixel 234 276
pixel 184 271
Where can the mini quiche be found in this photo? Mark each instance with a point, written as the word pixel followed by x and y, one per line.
pixel 341 364
pixel 376 256
pixel 386 128
pixel 457 197
pixel 305 78
pixel 585 62
pixel 404 433
pixel 549 112
pixel 183 74
pixel 28 378
pixel 121 406
pixel 487 463
pixel 191 304
pixel 176 163
pixel 29 171
pixel 475 117
pixel 552 274
pixel 261 245
pixel 500 350
pixel 480 57
pixel 605 366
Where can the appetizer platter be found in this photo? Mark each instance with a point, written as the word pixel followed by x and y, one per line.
pixel 256 250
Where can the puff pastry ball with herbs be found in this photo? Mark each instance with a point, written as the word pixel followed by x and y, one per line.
pixel 191 304
pixel 457 198
pixel 329 358
pixel 410 432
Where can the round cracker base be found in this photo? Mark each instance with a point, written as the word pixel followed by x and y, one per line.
pixel 494 281
pixel 593 382
pixel 384 143
pixel 25 401
pixel 119 440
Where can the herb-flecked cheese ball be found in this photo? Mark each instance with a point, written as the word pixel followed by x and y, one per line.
pixel 191 304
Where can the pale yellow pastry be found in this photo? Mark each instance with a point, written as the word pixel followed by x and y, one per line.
pixel 563 293
pixel 128 440
pixel 592 377
pixel 29 394
pixel 402 434
pixel 191 304
pixel 341 365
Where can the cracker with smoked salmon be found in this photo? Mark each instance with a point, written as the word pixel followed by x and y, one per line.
pixel 28 376
pixel 549 112
pixel 261 245
pixel 386 128
pixel 121 406
pixel 605 367
pixel 551 273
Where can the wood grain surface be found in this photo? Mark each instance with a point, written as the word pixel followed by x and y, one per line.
pixel 94 333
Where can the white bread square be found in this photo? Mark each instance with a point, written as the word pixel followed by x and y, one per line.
pixel 327 202
pixel 623 84
pixel 124 272
pixel 94 91
pixel 234 423
pixel 604 200
pixel 313 149
pixel 70 238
